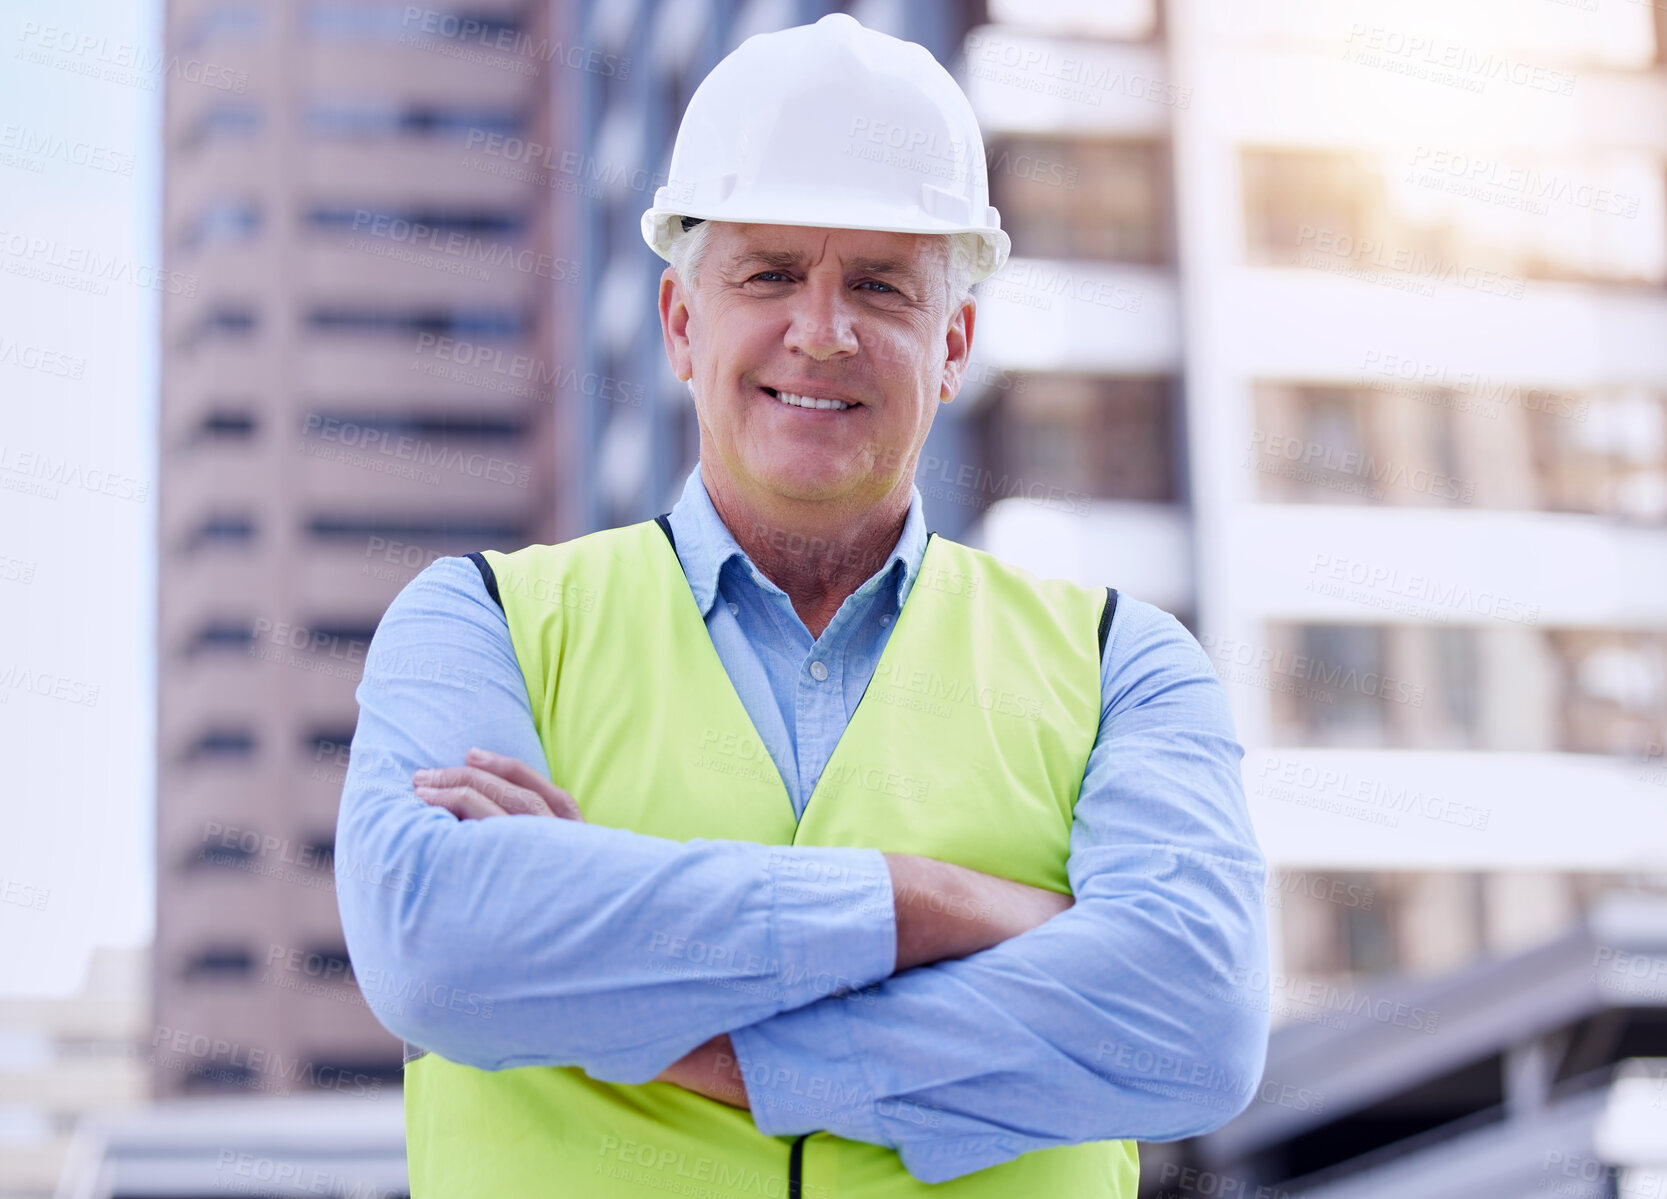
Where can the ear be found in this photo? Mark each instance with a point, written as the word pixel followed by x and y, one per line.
pixel 674 324
pixel 957 349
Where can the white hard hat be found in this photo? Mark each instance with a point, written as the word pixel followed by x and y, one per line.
pixel 835 126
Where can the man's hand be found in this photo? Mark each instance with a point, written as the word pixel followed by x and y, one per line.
pixel 494 785
pixel 709 1070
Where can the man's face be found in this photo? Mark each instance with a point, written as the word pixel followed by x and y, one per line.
pixel 840 314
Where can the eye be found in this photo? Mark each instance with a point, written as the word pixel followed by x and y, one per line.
pixel 778 274
pixel 876 283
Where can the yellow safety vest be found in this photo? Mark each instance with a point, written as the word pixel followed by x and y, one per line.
pixel 968 746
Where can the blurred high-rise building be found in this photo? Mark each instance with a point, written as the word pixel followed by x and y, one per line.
pixel 1339 333
pixel 366 368
pixel 65 1058
pixel 1363 378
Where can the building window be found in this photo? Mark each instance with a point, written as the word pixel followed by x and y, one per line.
pixel 438 426
pixel 475 534
pixel 1123 20
pixel 227 426
pixel 1367 929
pixel 221 745
pixel 1614 691
pixel 1417 219
pixel 226 120
pixel 354 1076
pixel 1296 199
pixel 1458 660
pixel 1074 198
pixel 218 1078
pixel 1082 435
pixel 228 322
pixel 222 635
pixel 324 741
pixel 1470 443
pixel 479 222
pixel 222 222
pixel 331 18
pixel 222 531
pixel 1612 461
pixel 1343 668
pixel 345 642
pixel 1604 691
pixel 362 119
pixel 473 323
pixel 330 961
pixel 1369 686
pixel 225 21
pixel 228 857
pixel 220 962
pixel 1342 444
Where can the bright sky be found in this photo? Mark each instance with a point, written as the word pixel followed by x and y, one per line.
pixel 80 185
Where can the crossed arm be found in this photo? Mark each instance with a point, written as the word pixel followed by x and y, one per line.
pixel 941 910
pixel 1128 1015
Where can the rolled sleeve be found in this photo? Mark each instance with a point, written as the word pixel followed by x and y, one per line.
pixel 808 1075
pixel 836 919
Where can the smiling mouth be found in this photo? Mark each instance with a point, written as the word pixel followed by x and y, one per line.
pixel 808 403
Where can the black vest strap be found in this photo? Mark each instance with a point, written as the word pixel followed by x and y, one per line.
pixel 665 527
pixel 487 577
pixel 1105 619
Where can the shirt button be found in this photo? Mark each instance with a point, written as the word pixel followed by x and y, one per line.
pixel 818 671
pixel 733 608
pixel 885 620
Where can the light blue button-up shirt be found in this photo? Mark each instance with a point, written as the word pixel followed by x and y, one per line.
pixel 1139 1013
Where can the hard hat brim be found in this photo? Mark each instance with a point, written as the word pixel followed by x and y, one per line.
pixel 661 226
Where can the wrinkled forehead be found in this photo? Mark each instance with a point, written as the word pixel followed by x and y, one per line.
pixel 916 256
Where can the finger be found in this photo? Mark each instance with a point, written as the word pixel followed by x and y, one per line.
pixel 463 802
pixel 514 800
pixel 559 802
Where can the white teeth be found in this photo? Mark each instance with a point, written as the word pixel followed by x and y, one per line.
pixel 799 401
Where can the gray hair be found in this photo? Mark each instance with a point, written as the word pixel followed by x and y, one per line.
pixel 961 250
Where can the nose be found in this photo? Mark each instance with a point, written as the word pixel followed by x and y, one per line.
pixel 822 325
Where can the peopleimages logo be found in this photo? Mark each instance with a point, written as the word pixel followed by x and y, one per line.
pixel 502 36
pixel 251 1066
pixel 1314 462
pixel 1265 660
pixel 44 253
pixel 43 144
pixel 1283 778
pixel 579 169
pixel 39 358
pixel 1426 595
pixel 464 246
pixel 97 56
pixel 418 451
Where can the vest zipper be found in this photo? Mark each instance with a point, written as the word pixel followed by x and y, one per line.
pixel 796 1168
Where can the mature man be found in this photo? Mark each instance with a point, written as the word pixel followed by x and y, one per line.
pixel 780 846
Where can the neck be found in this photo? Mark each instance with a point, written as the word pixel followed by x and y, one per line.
pixel 817 552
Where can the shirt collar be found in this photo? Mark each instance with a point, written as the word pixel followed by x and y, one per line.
pixel 704 544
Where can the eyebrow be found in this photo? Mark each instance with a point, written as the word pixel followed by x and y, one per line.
pixel 779 259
